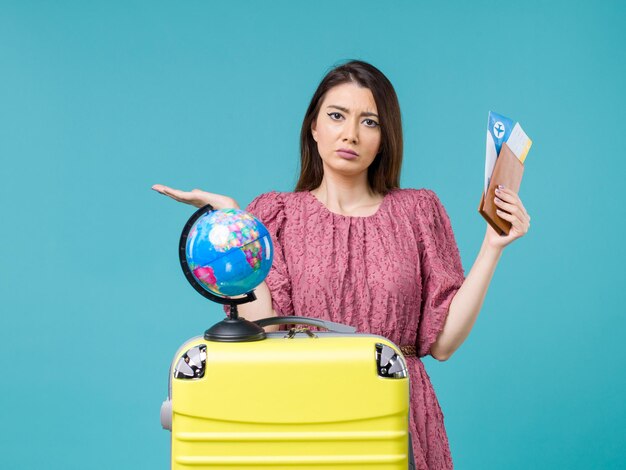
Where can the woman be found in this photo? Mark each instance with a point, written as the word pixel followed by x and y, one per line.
pixel 352 247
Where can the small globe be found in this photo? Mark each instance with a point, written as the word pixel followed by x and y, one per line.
pixel 228 252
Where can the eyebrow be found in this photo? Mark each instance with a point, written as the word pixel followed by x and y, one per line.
pixel 346 110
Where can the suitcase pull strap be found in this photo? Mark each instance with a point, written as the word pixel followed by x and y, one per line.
pixel 291 320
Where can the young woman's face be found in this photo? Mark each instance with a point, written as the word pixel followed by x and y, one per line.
pixel 347 130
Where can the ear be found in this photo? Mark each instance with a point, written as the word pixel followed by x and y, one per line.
pixel 314 129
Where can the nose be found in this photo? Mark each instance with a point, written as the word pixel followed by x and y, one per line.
pixel 351 131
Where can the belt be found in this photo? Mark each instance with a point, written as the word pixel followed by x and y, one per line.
pixel 409 350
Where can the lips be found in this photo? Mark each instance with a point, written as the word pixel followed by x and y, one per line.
pixel 347 154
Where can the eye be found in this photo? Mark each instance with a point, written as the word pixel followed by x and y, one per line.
pixel 370 123
pixel 335 116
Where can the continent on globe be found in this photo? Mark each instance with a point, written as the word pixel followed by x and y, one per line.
pixel 229 252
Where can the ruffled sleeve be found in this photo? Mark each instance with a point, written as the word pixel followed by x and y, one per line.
pixel 442 271
pixel 269 208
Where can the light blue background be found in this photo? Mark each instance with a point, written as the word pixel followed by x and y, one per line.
pixel 100 100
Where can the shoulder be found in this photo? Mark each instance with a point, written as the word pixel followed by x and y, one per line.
pixel 273 206
pixel 424 206
pixel 267 205
pixel 271 198
pixel 275 199
pixel 422 198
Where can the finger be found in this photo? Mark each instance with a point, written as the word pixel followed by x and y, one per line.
pixel 159 188
pixel 177 194
pixel 518 224
pixel 513 209
pixel 511 197
pixel 167 191
pixel 180 196
pixel 505 215
pixel 515 220
pixel 507 195
pixel 507 207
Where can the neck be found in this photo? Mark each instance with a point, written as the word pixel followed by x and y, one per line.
pixel 347 196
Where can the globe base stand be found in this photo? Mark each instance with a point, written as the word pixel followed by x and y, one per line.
pixel 234 329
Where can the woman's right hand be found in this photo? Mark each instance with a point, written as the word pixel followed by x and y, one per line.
pixel 197 197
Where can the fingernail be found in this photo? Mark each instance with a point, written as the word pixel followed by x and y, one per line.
pixel 497 191
pixel 497 199
pixel 500 186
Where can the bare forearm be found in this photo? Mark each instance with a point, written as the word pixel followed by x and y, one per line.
pixel 467 303
pixel 469 299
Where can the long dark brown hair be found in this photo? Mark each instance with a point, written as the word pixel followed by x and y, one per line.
pixel 383 174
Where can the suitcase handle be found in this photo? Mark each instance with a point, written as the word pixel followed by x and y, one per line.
pixel 291 320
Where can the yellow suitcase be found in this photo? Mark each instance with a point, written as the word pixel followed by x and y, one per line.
pixel 314 400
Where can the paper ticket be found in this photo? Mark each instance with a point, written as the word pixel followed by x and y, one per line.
pixel 519 143
pixel 502 129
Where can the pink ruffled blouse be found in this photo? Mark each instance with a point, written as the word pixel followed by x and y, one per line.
pixel 393 274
